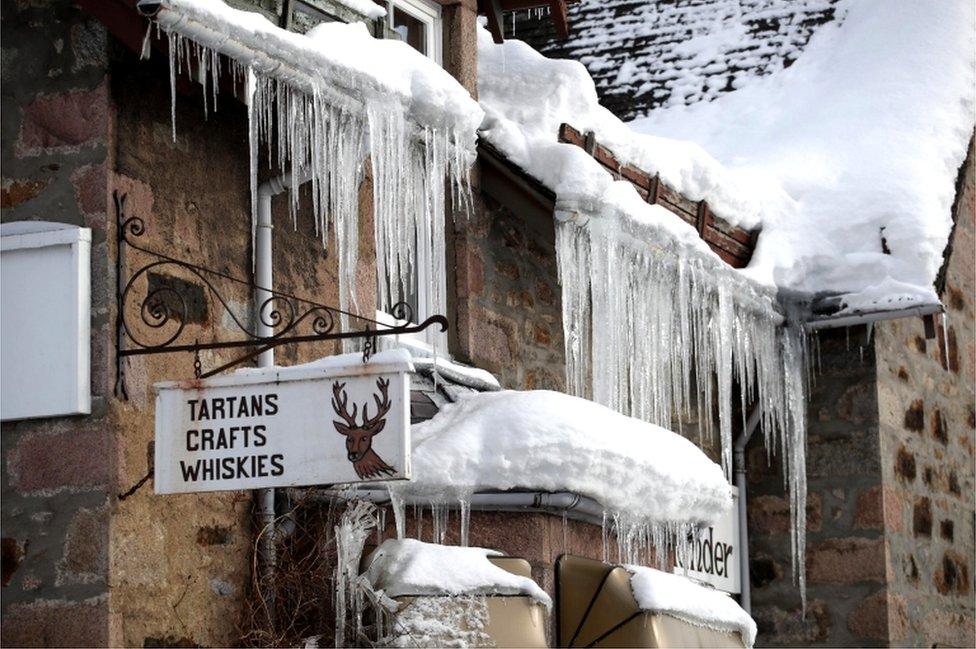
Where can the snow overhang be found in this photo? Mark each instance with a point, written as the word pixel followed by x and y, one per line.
pixel 349 68
pixel 514 441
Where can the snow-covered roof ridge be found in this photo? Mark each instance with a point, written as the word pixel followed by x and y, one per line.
pixel 549 441
pixel 408 567
pixel 670 594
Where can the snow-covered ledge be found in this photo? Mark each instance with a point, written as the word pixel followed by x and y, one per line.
pixel 655 487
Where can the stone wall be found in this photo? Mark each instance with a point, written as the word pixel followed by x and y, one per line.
pixel 57 473
pixel 508 296
pixel 845 565
pixel 925 392
pixel 84 118
pixel 181 564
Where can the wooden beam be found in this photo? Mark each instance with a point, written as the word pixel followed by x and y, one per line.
pixel 560 17
pixel 496 24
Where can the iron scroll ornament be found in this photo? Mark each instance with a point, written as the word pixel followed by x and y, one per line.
pixel 165 311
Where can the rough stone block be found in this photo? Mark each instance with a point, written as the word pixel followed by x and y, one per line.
pixel 12 553
pixel 85 558
pixel 91 189
pixel 64 122
pixel 922 518
pixel 56 623
pixel 952 575
pixel 905 464
pixel 869 510
pixel 771 514
pixel 790 627
pixel 846 561
pixel 17 191
pixel 869 619
pixel 44 463
pixel 915 416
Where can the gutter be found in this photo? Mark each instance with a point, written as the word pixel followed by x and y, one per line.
pixel 253 52
pixel 264 284
pixel 573 505
pixel 867 317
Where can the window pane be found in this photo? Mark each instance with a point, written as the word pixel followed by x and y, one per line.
pixel 411 30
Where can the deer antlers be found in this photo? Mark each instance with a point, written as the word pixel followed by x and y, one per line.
pixel 340 402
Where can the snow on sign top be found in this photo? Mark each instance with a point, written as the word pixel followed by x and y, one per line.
pixel 866 130
pixel 551 442
pixel 662 592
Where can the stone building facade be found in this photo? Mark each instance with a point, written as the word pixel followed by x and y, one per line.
pixel 890 537
pixel 891 482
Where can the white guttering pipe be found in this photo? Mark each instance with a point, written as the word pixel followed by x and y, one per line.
pixel 574 505
pixel 745 598
pixel 866 317
pixel 264 285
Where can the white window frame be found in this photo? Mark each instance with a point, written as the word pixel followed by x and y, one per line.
pixel 429 13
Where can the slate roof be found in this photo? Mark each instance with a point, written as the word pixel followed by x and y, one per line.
pixel 643 54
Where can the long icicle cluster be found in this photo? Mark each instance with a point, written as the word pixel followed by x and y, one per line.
pixel 330 143
pixel 655 331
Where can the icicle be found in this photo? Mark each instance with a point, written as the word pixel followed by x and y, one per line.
pixel 173 40
pixel 350 534
pixel 676 331
pixel 565 531
pixel 253 104
pixel 399 512
pixel 604 534
pixel 147 43
pixel 465 506
pixel 945 335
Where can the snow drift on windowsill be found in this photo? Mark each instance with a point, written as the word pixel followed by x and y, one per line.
pixel 409 567
pixel 662 592
pixel 866 130
pixel 550 441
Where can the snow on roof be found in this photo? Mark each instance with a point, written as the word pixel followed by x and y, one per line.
pixel 662 592
pixel 527 96
pixel 643 55
pixel 408 567
pixel 866 130
pixel 342 55
pixel 367 8
pixel 549 441
pixel 864 135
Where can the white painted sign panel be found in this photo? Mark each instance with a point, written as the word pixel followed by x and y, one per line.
pixel 284 427
pixel 716 558
pixel 45 308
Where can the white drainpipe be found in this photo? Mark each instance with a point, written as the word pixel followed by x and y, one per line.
pixel 264 284
pixel 752 423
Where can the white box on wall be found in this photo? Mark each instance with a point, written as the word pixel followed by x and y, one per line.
pixel 45 326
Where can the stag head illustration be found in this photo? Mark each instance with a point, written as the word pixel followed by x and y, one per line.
pixel 359 436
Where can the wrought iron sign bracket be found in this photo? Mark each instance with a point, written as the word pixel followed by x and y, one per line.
pixel 153 320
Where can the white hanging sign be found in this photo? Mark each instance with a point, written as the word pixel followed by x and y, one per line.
pixel 284 427
pixel 716 558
